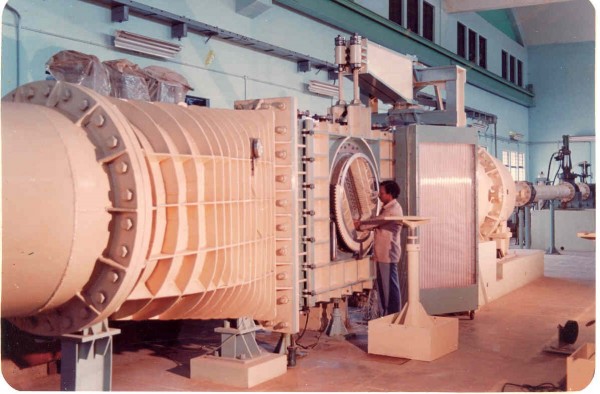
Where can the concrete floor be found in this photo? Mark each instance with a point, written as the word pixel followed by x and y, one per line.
pixel 503 344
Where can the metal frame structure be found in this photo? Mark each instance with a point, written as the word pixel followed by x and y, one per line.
pixel 181 26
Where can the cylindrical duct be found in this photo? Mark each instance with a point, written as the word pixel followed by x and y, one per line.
pixel 134 210
pixel 528 193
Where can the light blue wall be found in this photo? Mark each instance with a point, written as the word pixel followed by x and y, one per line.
pixel 496 40
pixel 235 73
pixel 562 75
pixel 564 87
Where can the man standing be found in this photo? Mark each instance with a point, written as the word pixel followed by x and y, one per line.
pixel 387 249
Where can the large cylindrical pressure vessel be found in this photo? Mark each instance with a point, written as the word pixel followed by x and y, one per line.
pixel 136 210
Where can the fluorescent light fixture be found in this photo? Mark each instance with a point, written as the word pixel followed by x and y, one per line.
pixel 322 88
pixel 582 138
pixel 147 45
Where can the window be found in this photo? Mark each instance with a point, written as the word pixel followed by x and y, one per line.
pixel 471 45
pixel 412 15
pixel 417 16
pixel 396 12
pixel 512 68
pixel 460 40
pixel 428 19
pixel 482 52
pixel 515 162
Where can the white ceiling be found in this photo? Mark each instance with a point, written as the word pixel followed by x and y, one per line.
pixel 541 21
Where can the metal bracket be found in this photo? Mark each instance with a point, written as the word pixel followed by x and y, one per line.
pixel 119 13
pixel 239 342
pixel 179 30
pixel 304 66
pixel 87 359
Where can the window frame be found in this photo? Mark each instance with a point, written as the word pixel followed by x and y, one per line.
pixel 515 162
pixel 469 45
pixel 410 14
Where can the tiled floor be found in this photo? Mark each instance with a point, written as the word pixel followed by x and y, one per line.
pixel 503 344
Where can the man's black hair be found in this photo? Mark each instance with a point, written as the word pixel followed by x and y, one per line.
pixel 391 187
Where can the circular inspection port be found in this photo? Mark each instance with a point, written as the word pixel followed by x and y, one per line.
pixel 354 189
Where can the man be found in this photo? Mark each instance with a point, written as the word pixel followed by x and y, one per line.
pixel 387 249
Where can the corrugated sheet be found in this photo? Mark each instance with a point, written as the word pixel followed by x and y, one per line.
pixel 447 196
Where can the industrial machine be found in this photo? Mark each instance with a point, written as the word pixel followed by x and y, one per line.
pixel 130 210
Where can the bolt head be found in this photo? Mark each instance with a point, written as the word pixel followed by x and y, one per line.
pixel 114 276
pixel 85 104
pixel 112 142
pixel 124 251
pixel 122 167
pixel 128 195
pixel 100 297
pixel 99 120
pixel 127 224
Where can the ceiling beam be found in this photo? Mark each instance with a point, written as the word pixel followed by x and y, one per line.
pixel 454 6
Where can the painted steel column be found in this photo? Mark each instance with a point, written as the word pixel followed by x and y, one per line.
pixel 521 216
pixel 527 227
pixel 552 249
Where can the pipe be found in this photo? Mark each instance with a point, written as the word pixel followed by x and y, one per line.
pixel 528 193
pixel 18 42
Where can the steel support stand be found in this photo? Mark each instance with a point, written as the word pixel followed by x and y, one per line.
pixel 412 333
pixel 239 361
pixel 552 249
pixel 285 341
pixel 239 342
pixel 86 363
pixel 336 327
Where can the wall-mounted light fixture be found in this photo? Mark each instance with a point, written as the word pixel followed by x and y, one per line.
pixel 582 138
pixel 514 136
pixel 325 89
pixel 147 45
